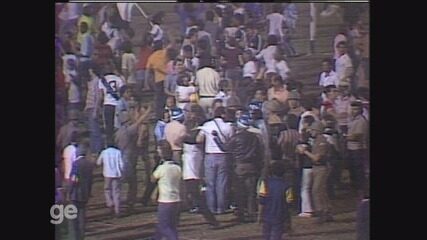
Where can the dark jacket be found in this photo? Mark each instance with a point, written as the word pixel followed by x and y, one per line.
pixel 81 177
pixel 246 150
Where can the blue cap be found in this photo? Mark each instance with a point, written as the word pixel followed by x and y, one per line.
pixel 244 121
pixel 255 105
pixel 177 114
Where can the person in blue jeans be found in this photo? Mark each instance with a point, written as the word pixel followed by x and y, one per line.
pixel 217 166
pixel 273 205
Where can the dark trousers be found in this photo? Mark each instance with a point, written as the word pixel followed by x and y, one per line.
pixel 296 188
pixel 167 214
pixel 204 210
pixel 129 159
pixel 273 231
pixel 109 112
pixel 334 176
pixel 76 227
pixel 362 221
pixel 159 98
pixel 355 167
pixel 245 194
pixel 95 135
pixel 192 195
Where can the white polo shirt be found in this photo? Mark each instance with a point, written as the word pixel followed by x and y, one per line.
pixel 169 176
pixel 331 79
pixel 206 131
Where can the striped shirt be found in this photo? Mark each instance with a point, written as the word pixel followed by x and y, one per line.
pixel 288 140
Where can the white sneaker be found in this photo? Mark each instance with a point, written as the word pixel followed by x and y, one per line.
pixel 331 10
pixel 306 215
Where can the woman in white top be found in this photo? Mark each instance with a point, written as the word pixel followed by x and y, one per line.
pixel 184 90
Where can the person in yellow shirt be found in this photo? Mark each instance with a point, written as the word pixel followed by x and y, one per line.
pixel 89 19
pixel 157 64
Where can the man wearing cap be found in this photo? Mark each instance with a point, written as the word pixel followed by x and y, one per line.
pixel 357 138
pixel 216 166
pixel 247 154
pixel 295 107
pixel 320 170
pixel 175 132
pixel 126 139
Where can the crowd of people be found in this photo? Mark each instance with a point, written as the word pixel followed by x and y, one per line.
pixel 231 126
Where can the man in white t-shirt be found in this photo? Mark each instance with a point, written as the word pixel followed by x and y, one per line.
pixel 113 167
pixel 217 167
pixel 168 177
pixel 110 93
pixel 267 54
pixel 343 64
pixel 275 22
pixel 328 76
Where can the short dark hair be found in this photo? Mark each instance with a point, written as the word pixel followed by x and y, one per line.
pixel 157 45
pixel 192 32
pixel 329 88
pixel 342 43
pixel 180 79
pixel 127 47
pixel 110 143
pixel 75 136
pixel 309 119
pixel 187 48
pixel 219 111
pixel 172 53
pixel 209 15
pixel 277 169
pixel 102 38
pixel 166 149
pixel 327 60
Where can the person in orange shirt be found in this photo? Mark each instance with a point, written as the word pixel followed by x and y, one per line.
pixel 157 64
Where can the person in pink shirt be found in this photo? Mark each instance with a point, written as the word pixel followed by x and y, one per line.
pixel 278 89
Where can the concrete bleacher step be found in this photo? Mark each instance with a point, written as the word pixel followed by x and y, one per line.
pixel 305 68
